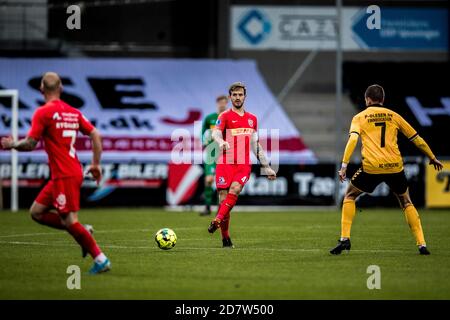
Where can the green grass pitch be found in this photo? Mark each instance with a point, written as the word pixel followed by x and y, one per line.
pixel 278 255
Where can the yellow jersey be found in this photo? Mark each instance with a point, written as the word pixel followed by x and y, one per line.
pixel 378 128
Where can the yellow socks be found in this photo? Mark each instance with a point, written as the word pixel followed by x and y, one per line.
pixel 411 214
pixel 348 213
pixel 412 217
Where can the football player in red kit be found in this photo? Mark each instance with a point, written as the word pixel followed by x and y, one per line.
pixel 58 203
pixel 235 133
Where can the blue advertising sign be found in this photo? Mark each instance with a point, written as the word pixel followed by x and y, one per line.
pixel 405 29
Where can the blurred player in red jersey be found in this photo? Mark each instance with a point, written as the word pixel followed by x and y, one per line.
pixel 57 205
pixel 235 133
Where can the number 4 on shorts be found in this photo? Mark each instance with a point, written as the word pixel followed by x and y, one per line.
pixel 243 179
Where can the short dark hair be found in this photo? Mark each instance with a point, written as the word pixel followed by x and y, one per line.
pixel 221 97
pixel 375 92
pixel 237 85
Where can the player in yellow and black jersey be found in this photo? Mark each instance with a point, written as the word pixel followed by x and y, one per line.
pixel 382 161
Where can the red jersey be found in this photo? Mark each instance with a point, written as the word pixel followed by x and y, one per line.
pixel 58 124
pixel 237 130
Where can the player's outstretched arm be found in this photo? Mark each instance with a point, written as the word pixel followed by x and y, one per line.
pixel 27 144
pixel 95 168
pixel 409 132
pixel 261 156
pixel 217 136
pixel 349 148
pixel 423 146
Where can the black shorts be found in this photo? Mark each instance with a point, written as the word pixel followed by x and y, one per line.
pixel 367 182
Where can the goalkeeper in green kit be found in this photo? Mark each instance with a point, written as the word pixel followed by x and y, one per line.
pixel 211 151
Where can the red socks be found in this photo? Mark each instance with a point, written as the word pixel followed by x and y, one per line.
pixel 226 206
pixel 84 239
pixel 81 235
pixel 224 226
pixel 50 219
pixel 224 213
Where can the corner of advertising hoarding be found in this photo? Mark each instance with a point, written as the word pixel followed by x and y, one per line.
pixel 437 185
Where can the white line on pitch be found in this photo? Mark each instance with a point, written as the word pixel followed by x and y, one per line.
pixel 118 231
pixel 96 231
pixel 147 247
pixel 190 248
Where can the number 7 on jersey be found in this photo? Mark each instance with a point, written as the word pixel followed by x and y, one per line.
pixel 383 132
pixel 71 134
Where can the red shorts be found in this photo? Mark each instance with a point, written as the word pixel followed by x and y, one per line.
pixel 229 173
pixel 63 194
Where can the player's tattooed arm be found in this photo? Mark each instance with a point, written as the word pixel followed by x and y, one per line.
pixel 261 156
pixel 26 144
pixel 217 136
pixel 259 151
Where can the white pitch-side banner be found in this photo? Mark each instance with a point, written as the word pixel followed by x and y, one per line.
pixel 283 27
pixel 142 106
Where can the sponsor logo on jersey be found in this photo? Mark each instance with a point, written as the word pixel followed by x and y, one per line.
pixel 218 122
pixel 56 116
pixel 67 125
pixel 389 165
pixel 241 131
